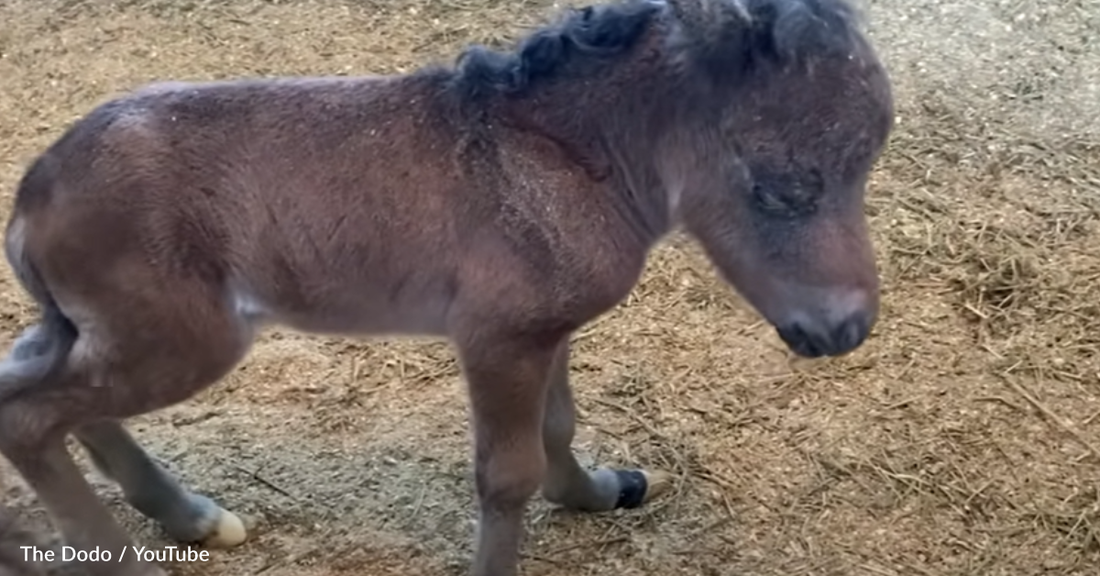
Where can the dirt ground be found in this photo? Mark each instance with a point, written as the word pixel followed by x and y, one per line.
pixel 960 440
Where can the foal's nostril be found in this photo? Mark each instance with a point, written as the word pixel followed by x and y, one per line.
pixel 850 333
pixel 800 341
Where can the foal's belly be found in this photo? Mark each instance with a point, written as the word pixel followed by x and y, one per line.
pixel 353 310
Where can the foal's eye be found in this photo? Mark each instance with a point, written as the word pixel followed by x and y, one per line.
pixel 787 197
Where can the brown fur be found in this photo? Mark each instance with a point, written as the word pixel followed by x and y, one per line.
pixel 501 204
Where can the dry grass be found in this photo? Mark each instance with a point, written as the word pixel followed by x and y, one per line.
pixel 961 440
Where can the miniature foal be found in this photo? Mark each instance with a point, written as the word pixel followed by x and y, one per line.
pixel 501 204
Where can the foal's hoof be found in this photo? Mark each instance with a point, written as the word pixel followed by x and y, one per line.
pixel 636 487
pixel 227 533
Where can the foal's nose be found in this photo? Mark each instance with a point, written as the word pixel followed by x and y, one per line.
pixel 835 331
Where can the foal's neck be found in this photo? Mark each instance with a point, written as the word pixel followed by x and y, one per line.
pixel 613 127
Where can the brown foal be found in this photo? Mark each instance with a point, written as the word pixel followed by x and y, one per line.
pixel 500 203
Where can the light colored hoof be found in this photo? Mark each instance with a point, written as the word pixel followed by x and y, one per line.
pixel 229 532
pixel 657 483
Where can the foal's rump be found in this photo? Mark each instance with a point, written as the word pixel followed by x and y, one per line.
pixel 42 347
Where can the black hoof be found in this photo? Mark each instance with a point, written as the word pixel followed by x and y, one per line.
pixel 633 486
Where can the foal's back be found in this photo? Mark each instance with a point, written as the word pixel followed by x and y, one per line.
pixel 329 204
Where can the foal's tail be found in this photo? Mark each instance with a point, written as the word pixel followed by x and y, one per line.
pixel 44 347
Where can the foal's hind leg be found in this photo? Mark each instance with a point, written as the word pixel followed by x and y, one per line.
pixel 137 351
pixel 566 482
pixel 84 522
pixel 186 517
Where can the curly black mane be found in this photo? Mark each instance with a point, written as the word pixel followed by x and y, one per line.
pixel 580 40
pixel 585 39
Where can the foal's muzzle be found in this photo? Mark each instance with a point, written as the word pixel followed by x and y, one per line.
pixel 836 323
pixel 812 341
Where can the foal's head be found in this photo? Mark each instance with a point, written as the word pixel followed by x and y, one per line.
pixel 790 110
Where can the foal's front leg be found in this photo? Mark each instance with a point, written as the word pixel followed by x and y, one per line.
pixel 507 385
pixel 567 483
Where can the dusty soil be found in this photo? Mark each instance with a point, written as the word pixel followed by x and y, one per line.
pixel 960 440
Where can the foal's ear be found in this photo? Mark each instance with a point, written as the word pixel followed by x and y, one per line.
pixel 707 20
